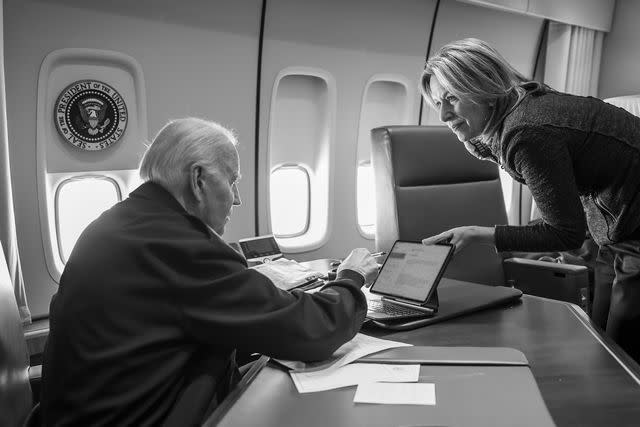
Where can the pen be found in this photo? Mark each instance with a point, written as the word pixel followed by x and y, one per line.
pixel 374 255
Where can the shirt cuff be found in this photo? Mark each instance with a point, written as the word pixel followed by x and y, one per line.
pixel 351 275
pixel 347 274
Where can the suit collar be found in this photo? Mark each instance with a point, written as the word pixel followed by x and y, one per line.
pixel 156 192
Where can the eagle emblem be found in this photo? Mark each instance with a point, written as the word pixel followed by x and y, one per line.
pixel 92 111
pixel 90 115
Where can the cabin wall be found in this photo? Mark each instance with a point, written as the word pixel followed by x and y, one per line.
pixel 348 43
pixel 620 69
pixel 594 14
pixel 515 38
pixel 199 60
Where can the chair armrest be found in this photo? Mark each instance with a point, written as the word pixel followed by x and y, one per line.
pixel 547 265
pixel 35 373
pixel 35 380
pixel 565 282
pixel 35 334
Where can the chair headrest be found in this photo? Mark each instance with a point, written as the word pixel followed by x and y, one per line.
pixel 431 155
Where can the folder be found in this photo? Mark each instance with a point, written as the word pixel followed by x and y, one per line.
pixel 475 386
pixel 469 356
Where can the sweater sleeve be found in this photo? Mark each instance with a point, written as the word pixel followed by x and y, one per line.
pixel 226 305
pixel 541 158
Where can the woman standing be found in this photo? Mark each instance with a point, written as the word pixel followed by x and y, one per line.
pixel 579 156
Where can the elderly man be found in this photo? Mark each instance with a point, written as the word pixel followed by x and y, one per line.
pixel 153 303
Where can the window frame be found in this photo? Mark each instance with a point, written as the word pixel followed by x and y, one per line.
pixel 56 205
pixel 403 110
pixel 363 229
pixel 319 164
pixel 305 229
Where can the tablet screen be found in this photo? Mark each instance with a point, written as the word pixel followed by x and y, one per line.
pixel 259 247
pixel 412 270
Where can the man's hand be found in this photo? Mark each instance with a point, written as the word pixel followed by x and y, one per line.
pixel 463 236
pixel 361 261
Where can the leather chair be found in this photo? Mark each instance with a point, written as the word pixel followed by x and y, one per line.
pixel 426 182
pixel 15 390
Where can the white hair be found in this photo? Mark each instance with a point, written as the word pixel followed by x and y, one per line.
pixel 180 144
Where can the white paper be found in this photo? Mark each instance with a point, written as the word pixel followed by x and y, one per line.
pixel 287 274
pixel 361 345
pixel 396 393
pixel 353 374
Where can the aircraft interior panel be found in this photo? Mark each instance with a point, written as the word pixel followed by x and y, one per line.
pixel 197 61
pixel 328 72
pixel 319 93
pixel 62 76
pixel 358 44
pixel 386 99
pixel 301 129
pixel 621 53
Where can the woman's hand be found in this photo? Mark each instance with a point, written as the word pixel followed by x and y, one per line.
pixel 463 236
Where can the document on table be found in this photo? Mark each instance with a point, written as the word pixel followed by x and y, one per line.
pixel 396 393
pixel 287 274
pixel 361 345
pixel 353 374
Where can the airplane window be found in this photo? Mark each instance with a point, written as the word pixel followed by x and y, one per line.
pixel 290 207
pixel 386 99
pixel 79 201
pixel 366 198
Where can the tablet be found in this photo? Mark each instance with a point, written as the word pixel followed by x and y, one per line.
pixel 260 248
pixel 412 271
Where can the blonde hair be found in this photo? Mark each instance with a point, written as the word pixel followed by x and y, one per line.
pixel 180 144
pixel 471 69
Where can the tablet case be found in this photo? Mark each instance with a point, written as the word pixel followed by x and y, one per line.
pixel 457 298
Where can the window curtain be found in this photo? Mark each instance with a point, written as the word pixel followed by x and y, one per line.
pixel 573 59
pixel 8 236
pixel 572 65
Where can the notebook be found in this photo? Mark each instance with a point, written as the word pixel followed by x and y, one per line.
pixel 406 284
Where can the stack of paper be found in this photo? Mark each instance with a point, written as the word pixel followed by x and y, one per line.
pixel 361 345
pixel 396 394
pixel 377 383
pixel 287 274
pixel 353 374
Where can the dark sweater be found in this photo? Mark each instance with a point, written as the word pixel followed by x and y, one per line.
pixel 152 305
pixel 580 157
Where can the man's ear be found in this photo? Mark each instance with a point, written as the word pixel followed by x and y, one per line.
pixel 196 181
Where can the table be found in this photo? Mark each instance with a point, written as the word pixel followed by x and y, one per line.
pixel 584 378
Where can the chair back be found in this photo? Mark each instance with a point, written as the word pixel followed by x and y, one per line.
pixel 15 391
pixel 426 183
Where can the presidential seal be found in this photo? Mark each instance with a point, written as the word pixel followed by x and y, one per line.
pixel 90 115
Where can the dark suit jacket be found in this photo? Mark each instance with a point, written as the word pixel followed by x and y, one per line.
pixel 151 307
